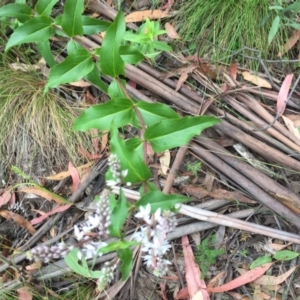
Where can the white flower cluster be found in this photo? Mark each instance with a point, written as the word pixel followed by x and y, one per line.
pixel 96 226
pixel 46 253
pixel 88 235
pixel 153 238
pixel 117 174
pixel 107 277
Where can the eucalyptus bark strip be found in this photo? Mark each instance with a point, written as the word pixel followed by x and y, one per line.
pixel 263 113
pixel 264 150
pixel 258 194
pixel 259 178
pixel 272 131
pixel 258 134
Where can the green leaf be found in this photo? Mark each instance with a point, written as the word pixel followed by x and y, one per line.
pixel 136 145
pixel 151 187
pixel 118 245
pixel 172 133
pixel 93 26
pixel 112 202
pixel 71 260
pixel 44 7
pixel 131 55
pixel 137 169
pixel 45 49
pixel 161 46
pixel 293 7
pixel 73 46
pixel 153 113
pixel 94 78
pixel 285 255
pixel 101 116
pixel 158 199
pixel 73 68
pixel 136 38
pixel 275 7
pixel 115 91
pixel 111 62
pixel 293 25
pixel 118 216
pixel 71 18
pixel 16 10
pixel 36 30
pixel 125 256
pixel 261 261
pixel 274 29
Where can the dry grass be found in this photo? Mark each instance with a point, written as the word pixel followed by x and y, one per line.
pixel 36 127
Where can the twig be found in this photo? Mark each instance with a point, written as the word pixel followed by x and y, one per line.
pixel 174 170
pixel 208 216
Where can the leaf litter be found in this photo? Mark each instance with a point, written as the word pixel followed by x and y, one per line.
pixel 222 188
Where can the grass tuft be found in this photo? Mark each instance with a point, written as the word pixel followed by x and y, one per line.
pixel 232 24
pixel 36 128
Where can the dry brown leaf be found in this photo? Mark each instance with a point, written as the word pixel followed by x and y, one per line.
pixel 294 118
pixel 200 192
pixel 45 194
pixel 24 293
pixel 256 80
pixel 198 296
pixel 233 70
pixel 207 70
pixel 196 238
pixel 80 83
pixel 247 277
pixel 274 280
pixel 139 16
pixel 23 67
pixel 165 160
pixel 290 43
pixel 9 215
pixel 279 247
pixel 104 141
pixel 216 280
pixel 283 93
pixel 209 180
pixel 238 296
pixel 34 266
pixel 184 75
pixel 171 31
pixel 62 175
pixel 291 127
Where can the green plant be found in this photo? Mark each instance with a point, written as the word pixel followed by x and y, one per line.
pixel 244 252
pixel 206 255
pixel 280 255
pixel 145 39
pixel 160 127
pixel 285 16
pixel 194 167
